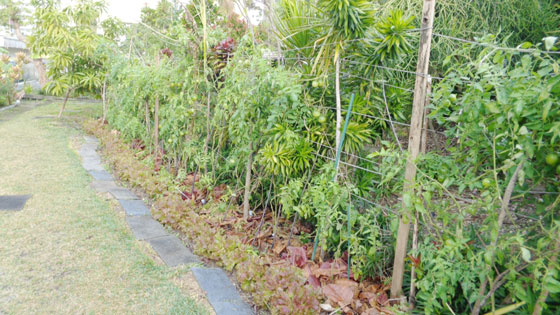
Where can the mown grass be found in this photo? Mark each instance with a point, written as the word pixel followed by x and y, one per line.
pixel 68 251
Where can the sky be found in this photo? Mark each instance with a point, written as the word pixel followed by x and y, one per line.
pixel 128 10
pixel 125 10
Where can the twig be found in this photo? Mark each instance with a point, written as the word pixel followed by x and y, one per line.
pixel 389 115
pixel 499 281
pixel 505 203
pixel 544 293
pixel 263 215
pixel 173 41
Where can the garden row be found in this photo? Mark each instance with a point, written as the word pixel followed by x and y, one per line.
pixel 242 139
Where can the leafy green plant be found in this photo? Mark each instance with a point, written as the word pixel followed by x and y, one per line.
pixel 498 120
pixel 68 36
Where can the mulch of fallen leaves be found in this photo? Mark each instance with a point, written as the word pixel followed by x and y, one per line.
pixel 281 244
pixel 342 292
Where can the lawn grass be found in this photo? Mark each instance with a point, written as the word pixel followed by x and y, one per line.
pixel 68 251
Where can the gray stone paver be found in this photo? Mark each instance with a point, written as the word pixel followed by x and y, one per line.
pixel 100 175
pixel 221 293
pixel 103 185
pixel 87 151
pixel 92 165
pixel 123 194
pixel 144 227
pixel 172 251
pixel 91 139
pixel 13 202
pixel 134 207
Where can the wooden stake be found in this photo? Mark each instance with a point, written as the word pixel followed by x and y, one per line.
pixel 414 138
pixel 424 142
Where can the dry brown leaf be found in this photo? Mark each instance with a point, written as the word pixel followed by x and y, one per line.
pixel 279 247
pixel 342 295
pixel 371 311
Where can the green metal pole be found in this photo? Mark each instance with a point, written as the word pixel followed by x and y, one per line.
pixel 336 163
pixel 349 234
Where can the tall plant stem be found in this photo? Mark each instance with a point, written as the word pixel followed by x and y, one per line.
pixel 205 60
pixel 544 293
pixel 247 194
pixel 338 102
pixel 147 114
pixel 263 215
pixel 156 116
pixel 501 217
pixel 104 99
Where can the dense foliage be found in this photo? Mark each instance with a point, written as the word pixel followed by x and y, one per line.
pixel 210 102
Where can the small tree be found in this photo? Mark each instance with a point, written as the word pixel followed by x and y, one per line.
pixel 69 37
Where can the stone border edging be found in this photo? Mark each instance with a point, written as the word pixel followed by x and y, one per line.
pixel 220 291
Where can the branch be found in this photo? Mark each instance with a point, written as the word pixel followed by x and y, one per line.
pixel 501 217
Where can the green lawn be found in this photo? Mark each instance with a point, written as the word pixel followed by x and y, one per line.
pixel 69 251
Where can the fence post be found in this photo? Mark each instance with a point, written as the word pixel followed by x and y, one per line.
pixel 414 139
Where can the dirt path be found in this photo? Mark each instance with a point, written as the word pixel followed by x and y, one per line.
pixel 68 251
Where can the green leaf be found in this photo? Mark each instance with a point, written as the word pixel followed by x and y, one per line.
pixel 549 42
pixel 492 107
pixel 525 254
pixel 551 284
pixel 546 110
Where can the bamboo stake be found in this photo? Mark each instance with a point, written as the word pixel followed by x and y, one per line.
pixel 414 138
pixel 412 297
pixel 426 113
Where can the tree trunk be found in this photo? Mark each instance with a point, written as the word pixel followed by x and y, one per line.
pixel 248 182
pixel 338 103
pixel 41 72
pixel 64 104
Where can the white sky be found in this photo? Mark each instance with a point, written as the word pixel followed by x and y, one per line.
pixel 129 10
pixel 125 10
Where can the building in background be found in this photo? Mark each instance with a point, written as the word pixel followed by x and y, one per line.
pixel 10 43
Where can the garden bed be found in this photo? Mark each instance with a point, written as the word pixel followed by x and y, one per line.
pixel 275 269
